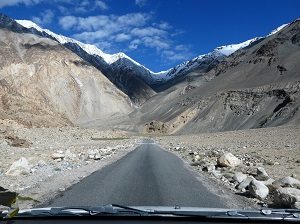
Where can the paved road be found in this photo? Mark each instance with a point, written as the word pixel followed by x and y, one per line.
pixel 148 176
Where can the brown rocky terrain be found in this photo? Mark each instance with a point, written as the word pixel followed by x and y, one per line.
pixel 44 84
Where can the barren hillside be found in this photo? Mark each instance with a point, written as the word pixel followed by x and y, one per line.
pixel 43 83
pixel 255 87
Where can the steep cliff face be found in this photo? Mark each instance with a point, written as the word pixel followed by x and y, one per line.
pixel 43 83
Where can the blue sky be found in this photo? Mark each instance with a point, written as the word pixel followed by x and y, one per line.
pixel 158 34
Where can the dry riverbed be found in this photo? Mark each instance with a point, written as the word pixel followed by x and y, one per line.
pixel 275 152
pixel 39 163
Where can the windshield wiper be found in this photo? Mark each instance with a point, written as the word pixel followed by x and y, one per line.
pixel 202 213
pixel 107 210
pixel 264 214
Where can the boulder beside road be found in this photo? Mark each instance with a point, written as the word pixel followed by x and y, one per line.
pixel 57 156
pixel 287 197
pixel 19 167
pixel 261 174
pixel 258 190
pixel 228 160
pixel 287 182
pixel 239 177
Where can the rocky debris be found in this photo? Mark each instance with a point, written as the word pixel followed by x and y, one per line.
pixel 268 182
pixel 287 182
pixel 245 183
pixel 19 167
pixel 94 154
pixel 265 155
pixel 228 174
pixel 198 163
pixel 197 158
pixel 287 197
pixel 109 135
pixel 41 163
pixel 217 174
pixel 239 177
pixel 209 168
pixel 258 190
pixel 156 127
pixel 228 160
pixel 15 141
pixel 58 156
pixel 53 159
pixel 261 174
pixel 70 155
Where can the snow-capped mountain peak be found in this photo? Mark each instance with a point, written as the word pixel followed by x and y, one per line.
pixel 146 74
pixel 89 48
pixel 229 49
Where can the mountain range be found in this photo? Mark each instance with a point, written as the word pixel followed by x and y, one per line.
pixel 50 79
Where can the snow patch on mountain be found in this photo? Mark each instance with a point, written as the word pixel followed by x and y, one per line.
pixel 218 52
pixel 277 29
pixel 89 48
pixel 149 76
pixel 230 49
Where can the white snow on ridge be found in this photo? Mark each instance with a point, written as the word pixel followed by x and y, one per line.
pixel 149 75
pixel 277 29
pixel 89 48
pixel 229 49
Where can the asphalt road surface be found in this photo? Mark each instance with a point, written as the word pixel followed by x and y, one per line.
pixel 147 176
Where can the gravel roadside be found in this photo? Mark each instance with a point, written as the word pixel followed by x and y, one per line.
pixel 270 155
pixel 39 163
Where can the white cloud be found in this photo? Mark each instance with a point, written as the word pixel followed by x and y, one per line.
pixel 45 18
pixel 141 3
pixel 67 22
pixel 87 6
pixel 148 31
pixel 104 22
pixel 122 37
pixel 85 3
pixel 101 4
pixel 156 42
pixel 129 32
pixel 94 36
pixel 134 44
pixel 177 53
pixel 106 46
pixel 5 3
pixel 63 9
pixel 164 25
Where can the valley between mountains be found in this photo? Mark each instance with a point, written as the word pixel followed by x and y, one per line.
pixel 68 109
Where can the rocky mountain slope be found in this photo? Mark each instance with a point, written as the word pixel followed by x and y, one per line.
pixel 248 85
pixel 43 83
pixel 121 70
pixel 257 86
pixel 134 79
